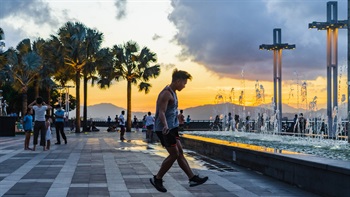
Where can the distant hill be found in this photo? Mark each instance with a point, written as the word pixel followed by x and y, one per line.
pixel 103 110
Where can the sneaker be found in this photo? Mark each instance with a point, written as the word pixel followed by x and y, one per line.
pixel 196 180
pixel 58 143
pixel 158 184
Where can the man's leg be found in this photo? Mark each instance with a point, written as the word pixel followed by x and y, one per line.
pixel 57 133
pixel 194 180
pixel 157 180
pixel 122 132
pixel 181 160
pixel 61 129
pixel 168 162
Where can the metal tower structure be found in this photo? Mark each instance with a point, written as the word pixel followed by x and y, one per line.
pixel 277 48
pixel 331 25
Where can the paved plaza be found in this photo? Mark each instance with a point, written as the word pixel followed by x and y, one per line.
pixel 99 164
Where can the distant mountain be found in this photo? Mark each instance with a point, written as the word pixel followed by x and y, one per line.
pixel 103 110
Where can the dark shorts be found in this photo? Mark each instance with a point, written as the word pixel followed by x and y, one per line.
pixel 28 131
pixel 170 139
pixel 150 127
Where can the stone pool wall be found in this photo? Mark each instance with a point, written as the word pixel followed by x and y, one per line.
pixel 321 176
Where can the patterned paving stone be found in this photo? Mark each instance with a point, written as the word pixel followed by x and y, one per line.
pixel 99 164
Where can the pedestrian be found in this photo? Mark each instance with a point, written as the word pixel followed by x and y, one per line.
pixel 149 126
pixel 230 122
pixel 181 118
pixel 295 122
pixel 236 121
pixel 109 121
pixel 188 121
pixel 122 125
pixel 59 125
pixel 28 127
pixel 48 136
pixel 167 129
pixel 39 107
pixel 144 125
pixel 135 123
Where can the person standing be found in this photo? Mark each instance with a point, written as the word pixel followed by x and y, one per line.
pixel 181 118
pixel 48 132
pixel 230 122
pixel 188 121
pixel 122 125
pixel 39 107
pixel 149 126
pixel 109 121
pixel 167 129
pixel 59 124
pixel 27 127
pixel 135 123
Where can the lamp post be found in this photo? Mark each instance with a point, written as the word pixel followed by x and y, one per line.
pixel 66 91
pixel 332 25
pixel 277 48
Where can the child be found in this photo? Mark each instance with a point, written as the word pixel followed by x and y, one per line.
pixel 27 126
pixel 48 132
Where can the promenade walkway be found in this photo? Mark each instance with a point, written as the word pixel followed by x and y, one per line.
pixel 99 164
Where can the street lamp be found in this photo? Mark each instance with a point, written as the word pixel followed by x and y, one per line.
pixel 66 91
pixel 277 48
pixel 332 25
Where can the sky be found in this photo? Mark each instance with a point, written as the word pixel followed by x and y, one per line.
pixel 217 41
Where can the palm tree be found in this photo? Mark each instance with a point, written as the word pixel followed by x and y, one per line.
pixel 23 64
pixel 134 66
pixel 93 42
pixel 44 77
pixel 80 44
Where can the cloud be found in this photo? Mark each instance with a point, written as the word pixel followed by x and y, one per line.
pixel 167 66
pixel 121 8
pixel 224 36
pixel 35 10
pixel 156 37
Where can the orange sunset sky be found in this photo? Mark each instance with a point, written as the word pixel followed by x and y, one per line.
pixel 214 40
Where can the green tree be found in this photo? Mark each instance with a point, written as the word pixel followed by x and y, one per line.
pixel 22 66
pixel 134 66
pixel 44 80
pixel 72 36
pixel 80 44
pixel 93 44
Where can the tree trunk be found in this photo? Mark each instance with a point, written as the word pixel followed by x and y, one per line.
pixel 77 91
pixel 36 87
pixel 85 104
pixel 24 103
pixel 48 91
pixel 128 114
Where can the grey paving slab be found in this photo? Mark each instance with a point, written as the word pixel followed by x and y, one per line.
pixel 99 164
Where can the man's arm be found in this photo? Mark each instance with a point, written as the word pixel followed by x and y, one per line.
pixel 31 104
pixel 48 106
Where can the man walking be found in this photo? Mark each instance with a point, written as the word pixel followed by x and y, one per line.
pixel 181 118
pixel 122 125
pixel 167 129
pixel 59 124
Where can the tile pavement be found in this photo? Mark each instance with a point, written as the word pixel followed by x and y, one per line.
pixel 99 164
